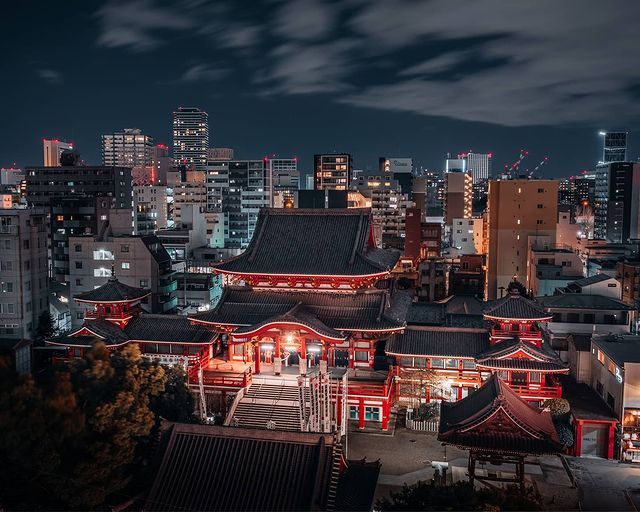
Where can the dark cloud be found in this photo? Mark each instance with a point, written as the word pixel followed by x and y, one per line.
pixel 204 73
pixel 50 76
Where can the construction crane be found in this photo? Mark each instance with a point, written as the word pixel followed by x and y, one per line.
pixel 511 170
pixel 542 162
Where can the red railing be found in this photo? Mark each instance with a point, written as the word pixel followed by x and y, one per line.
pixel 241 380
pixel 532 391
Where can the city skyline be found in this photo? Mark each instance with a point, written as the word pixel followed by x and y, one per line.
pixel 399 87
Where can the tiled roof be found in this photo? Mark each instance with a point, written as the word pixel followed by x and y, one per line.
pixel 520 363
pixel 583 301
pixel 105 331
pixel 515 306
pixel 351 311
pixel 461 422
pixel 508 348
pixel 357 486
pixel 169 328
pixel 440 342
pixel 426 313
pixel 312 242
pixel 228 469
pixel 113 291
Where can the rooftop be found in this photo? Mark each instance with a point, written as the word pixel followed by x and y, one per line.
pixel 438 341
pixel 515 307
pixel 586 281
pixel 621 348
pixel 312 242
pixel 224 468
pixel 113 291
pixel 585 403
pixel 582 301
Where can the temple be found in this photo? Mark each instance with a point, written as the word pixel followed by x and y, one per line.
pixel 115 318
pixel 510 345
pixel 497 427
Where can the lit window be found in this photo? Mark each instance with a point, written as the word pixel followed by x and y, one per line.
pixel 125 265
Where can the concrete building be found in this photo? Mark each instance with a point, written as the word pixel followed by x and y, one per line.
pixel 128 148
pixel 467 235
pixel 399 169
pixel 52 150
pixel 517 210
pixel 458 200
pixel 238 189
pixel 191 137
pixel 150 203
pixel 190 234
pixel 480 165
pixel 139 261
pixel 285 182
pixel 198 291
pixel 550 267
pixel 614 147
pixel 23 271
pixel 332 172
pixel 628 274
pixel 617 202
pixel 220 154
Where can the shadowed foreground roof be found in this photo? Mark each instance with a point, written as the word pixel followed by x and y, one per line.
pixel 244 306
pixel 438 341
pixel 226 468
pixel 515 306
pixel 327 242
pixel 495 419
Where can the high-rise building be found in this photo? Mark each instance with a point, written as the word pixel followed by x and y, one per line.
pixel 53 148
pixel 480 165
pixel 518 212
pixel 399 169
pixel 458 203
pixel 191 137
pixel 614 147
pixel 150 208
pixel 455 165
pixel 333 172
pixel 128 148
pixel 238 189
pixel 617 201
pixel 23 271
pixel 285 181
pixel 220 154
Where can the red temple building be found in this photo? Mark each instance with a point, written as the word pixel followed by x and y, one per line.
pixel 117 319
pixel 510 346
pixel 302 296
pixel 497 427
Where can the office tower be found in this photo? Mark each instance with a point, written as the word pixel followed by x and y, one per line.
pixel 220 154
pixel 480 165
pixel 138 261
pixel 23 271
pixel 332 172
pixel 399 169
pixel 458 201
pixel 617 202
pixel 128 148
pixel 191 137
pixel 614 147
pixel 583 189
pixel 518 212
pixel 564 192
pixel 455 165
pixel 285 181
pixel 238 189
pixel 53 149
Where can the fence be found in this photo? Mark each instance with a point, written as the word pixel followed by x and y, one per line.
pixel 421 425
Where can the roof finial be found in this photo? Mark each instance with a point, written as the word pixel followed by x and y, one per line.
pixel 113 270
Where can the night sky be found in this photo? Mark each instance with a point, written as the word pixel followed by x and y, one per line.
pixel 378 77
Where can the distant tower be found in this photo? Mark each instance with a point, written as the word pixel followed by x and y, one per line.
pixel 614 147
pixel 53 149
pixel 128 148
pixel 191 137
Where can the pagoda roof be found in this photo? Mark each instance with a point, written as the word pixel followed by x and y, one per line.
pixel 495 419
pixel 515 307
pixel 113 291
pixel 522 355
pixel 151 328
pixel 312 242
pixel 439 342
pixel 364 310
pixel 208 467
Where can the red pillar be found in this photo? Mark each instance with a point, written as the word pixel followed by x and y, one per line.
pixel 256 358
pixel 612 435
pixel 352 355
pixel 302 356
pixel 277 363
pixel 339 411
pixel 361 414
pixel 386 409
pixel 578 438
pixel 459 393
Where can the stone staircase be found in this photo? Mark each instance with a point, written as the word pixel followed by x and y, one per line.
pixel 271 406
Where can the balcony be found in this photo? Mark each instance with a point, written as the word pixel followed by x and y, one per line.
pixel 170 287
pixel 535 391
pixel 168 305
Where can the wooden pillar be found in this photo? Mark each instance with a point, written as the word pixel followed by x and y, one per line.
pixel 302 356
pixel 386 409
pixel 612 436
pixel 471 468
pixel 324 360
pixel 339 409
pixel 277 359
pixel 578 442
pixel 361 414
pixel 256 357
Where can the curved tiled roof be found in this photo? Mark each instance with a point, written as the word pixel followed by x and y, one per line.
pixel 311 242
pixel 113 291
pixel 520 363
pixel 501 356
pixel 243 306
pixel 438 342
pixel 533 431
pixel 168 328
pixel 515 306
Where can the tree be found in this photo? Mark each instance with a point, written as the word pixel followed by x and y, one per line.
pixel 560 410
pixel 45 329
pixel 416 382
pixel 459 496
pixel 516 285
pixel 177 402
